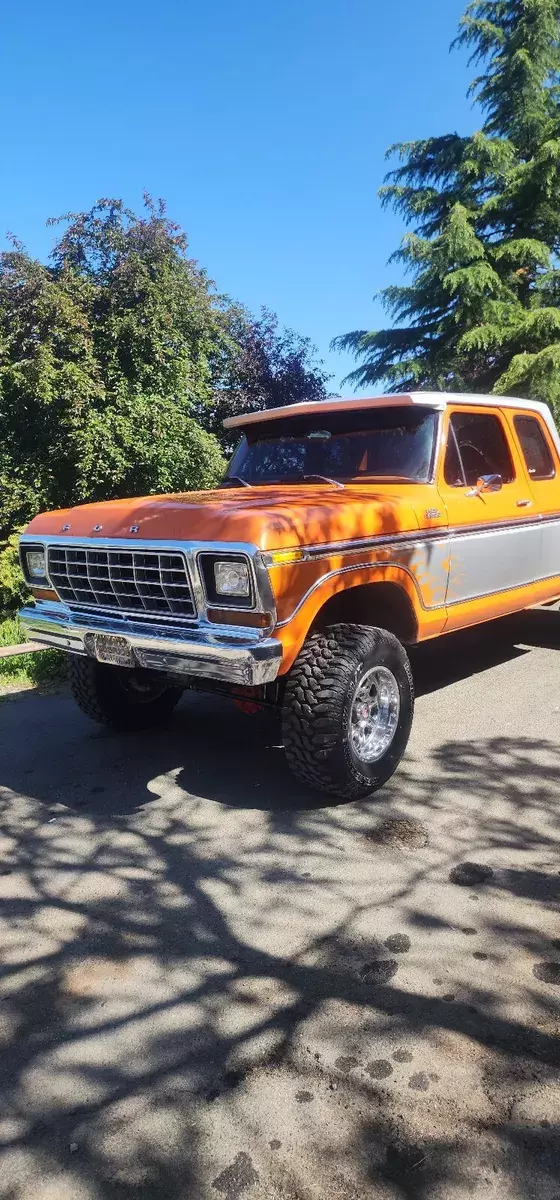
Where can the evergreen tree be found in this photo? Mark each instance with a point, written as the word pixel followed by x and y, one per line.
pixel 482 309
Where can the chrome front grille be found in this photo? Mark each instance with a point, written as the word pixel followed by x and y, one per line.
pixel 133 582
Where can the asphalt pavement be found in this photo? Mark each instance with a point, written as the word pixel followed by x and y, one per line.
pixel 217 985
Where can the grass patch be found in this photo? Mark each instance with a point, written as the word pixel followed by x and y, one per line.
pixel 28 670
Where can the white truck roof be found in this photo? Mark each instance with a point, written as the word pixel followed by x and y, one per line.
pixel 435 400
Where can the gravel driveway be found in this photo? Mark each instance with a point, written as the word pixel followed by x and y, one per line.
pixel 217 985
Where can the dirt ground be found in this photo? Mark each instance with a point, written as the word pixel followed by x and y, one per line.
pixel 216 985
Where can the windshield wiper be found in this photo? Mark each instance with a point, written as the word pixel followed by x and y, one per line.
pixel 237 479
pixel 325 479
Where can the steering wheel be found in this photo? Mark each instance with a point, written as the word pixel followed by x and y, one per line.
pixel 475 463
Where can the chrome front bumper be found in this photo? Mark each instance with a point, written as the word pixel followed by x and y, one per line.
pixel 206 651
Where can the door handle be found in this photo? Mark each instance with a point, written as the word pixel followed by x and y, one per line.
pixel 524 503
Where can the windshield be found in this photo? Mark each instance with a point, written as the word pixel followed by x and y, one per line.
pixel 392 444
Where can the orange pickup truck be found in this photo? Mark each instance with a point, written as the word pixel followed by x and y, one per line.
pixel 343 532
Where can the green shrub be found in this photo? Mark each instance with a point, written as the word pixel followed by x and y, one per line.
pixel 13 588
pixel 45 668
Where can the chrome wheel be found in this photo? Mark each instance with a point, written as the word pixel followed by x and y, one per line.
pixel 374 714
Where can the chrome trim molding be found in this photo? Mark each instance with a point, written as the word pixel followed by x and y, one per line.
pixel 510 588
pixel 217 652
pixel 364 566
pixel 396 565
pixel 412 537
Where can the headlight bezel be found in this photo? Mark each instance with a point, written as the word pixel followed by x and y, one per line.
pixel 207 562
pixel 31 579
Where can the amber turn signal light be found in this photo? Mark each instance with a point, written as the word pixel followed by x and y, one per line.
pixel 276 558
pixel 44 593
pixel 228 616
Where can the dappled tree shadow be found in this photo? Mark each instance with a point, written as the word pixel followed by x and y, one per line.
pixel 215 982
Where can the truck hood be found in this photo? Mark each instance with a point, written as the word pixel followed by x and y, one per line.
pixel 271 518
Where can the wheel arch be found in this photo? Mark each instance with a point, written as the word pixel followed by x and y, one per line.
pixel 383 604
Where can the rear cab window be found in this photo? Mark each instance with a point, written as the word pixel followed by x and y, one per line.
pixel 476 445
pixel 534 447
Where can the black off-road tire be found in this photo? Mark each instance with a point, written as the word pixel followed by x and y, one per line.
pixel 107 695
pixel 317 705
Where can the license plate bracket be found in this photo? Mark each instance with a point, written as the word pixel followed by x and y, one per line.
pixel 113 649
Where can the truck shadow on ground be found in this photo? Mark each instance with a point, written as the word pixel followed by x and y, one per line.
pixel 238 760
pixel 152 995
pixel 223 754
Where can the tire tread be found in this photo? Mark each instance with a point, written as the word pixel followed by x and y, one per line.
pixel 97 694
pixel 316 693
pixel 82 683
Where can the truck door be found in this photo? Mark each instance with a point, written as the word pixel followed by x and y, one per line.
pixel 493 545
pixel 540 459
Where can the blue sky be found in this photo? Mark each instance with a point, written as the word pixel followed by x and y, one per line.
pixel 263 125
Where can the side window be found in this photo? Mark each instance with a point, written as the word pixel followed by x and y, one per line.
pixel 535 448
pixel 476 445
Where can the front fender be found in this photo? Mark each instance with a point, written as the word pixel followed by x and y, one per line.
pixel 301 593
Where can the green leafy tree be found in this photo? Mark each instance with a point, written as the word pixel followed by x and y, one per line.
pixel 265 367
pixel 103 355
pixel 481 309
pixel 119 360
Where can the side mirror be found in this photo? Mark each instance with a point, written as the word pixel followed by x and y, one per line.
pixel 486 483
